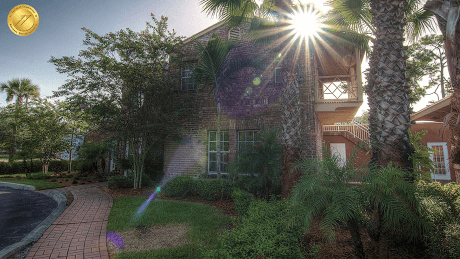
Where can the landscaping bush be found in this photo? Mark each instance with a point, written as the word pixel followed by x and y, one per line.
pixel 119 181
pixel 271 230
pixel 181 186
pixel 37 176
pixel 213 189
pixel 17 167
pixel 242 200
pixel 208 189
pixel 441 207
pixel 58 166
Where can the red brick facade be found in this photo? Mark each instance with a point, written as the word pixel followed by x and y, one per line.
pixel 247 104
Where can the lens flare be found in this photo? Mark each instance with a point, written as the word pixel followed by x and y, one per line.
pixel 116 239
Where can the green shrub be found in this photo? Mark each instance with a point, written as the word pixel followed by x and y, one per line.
pixel 208 189
pixel 271 230
pixel 213 189
pixel 181 186
pixel 17 167
pixel 242 200
pixel 58 166
pixel 258 167
pixel 119 181
pixel 37 176
pixel 441 206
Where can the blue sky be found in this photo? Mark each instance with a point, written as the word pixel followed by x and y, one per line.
pixel 59 32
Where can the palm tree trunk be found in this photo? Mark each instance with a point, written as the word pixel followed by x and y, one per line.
pixel 389 118
pixel 353 227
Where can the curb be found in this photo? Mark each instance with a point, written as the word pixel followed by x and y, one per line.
pixel 18 186
pixel 35 234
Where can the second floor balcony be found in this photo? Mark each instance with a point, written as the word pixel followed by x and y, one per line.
pixel 338 91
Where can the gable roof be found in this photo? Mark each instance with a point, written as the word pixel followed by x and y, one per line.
pixel 435 112
pixel 205 31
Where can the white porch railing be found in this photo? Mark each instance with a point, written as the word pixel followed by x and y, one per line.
pixel 359 131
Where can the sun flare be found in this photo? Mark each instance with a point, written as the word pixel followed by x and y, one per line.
pixel 305 23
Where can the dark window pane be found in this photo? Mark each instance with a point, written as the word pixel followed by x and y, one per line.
pixel 212 157
pixel 213 166
pixel 212 136
pixel 212 146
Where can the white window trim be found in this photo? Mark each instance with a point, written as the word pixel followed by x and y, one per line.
pixel 222 152
pixel 278 80
pixel 446 161
pixel 188 68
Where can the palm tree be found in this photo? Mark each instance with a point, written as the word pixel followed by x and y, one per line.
pixel 447 15
pixel 215 68
pixel 388 93
pixel 19 89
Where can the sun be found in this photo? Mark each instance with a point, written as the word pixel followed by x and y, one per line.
pixel 305 22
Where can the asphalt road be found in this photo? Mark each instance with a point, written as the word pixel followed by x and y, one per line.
pixel 20 212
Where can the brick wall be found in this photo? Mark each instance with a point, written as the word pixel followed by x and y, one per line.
pixel 246 104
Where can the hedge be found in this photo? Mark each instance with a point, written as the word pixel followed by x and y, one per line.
pixel 17 167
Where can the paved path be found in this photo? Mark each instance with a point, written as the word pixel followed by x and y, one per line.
pixel 80 231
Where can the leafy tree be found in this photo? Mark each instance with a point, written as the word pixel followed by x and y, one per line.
pixel 120 79
pixel 426 57
pixel 48 131
pixel 447 15
pixel 76 124
pixel 19 89
pixel 95 154
pixel 421 156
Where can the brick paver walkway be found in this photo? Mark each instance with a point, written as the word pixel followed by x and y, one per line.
pixel 80 231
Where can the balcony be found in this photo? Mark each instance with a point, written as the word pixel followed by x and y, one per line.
pixel 338 96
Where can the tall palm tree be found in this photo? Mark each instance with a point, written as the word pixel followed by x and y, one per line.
pixel 388 93
pixel 19 89
pixel 215 68
pixel 448 15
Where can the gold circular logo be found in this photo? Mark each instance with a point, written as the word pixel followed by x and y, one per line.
pixel 23 20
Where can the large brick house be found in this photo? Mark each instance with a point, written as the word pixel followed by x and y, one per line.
pixel 303 87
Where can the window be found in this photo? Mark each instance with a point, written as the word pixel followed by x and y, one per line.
pixel 187 82
pixel 277 75
pixel 212 151
pixel 248 137
pixel 441 161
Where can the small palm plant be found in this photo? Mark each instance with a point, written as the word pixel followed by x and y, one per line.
pixel 327 189
pixel 381 199
pixel 258 167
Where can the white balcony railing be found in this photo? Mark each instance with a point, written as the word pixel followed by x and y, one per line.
pixel 337 88
pixel 359 131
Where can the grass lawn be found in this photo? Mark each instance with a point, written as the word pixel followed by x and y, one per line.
pixel 205 222
pixel 39 184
